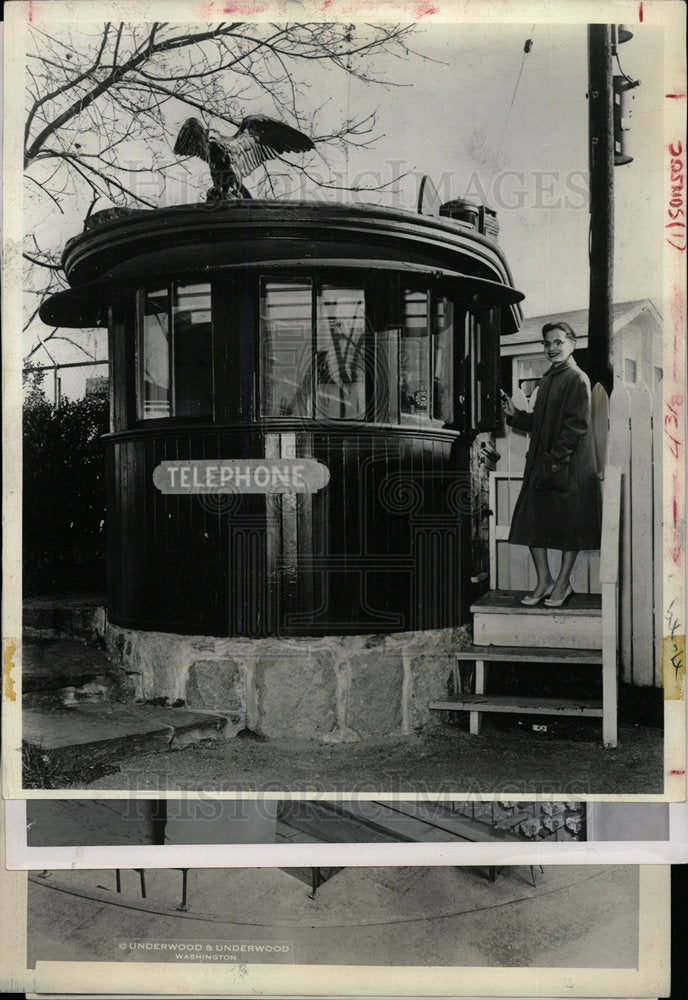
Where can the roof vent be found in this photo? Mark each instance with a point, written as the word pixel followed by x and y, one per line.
pixel 480 217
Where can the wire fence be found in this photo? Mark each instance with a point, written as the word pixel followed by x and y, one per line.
pixel 72 380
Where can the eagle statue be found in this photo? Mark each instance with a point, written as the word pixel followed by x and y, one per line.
pixel 257 140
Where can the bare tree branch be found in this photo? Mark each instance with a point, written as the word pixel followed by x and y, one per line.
pixel 103 100
pixel 41 263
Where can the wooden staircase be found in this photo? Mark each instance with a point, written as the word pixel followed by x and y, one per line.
pixel 583 632
pixel 499 619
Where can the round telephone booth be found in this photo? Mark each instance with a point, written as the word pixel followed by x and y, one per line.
pixel 361 343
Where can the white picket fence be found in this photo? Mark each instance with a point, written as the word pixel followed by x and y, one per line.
pixel 635 444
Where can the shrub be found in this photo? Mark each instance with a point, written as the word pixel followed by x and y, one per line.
pixel 64 494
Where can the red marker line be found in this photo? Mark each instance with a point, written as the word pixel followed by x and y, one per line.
pixel 676 97
pixel 640 13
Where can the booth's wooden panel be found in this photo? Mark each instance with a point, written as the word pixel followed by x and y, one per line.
pixel 382 548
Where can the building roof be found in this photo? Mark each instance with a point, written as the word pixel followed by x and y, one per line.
pixel 624 313
pixel 128 247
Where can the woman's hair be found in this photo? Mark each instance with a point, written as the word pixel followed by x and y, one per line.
pixel 564 327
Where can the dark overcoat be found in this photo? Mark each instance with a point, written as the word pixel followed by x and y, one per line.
pixel 559 504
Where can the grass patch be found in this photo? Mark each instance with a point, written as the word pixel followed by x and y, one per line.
pixel 41 770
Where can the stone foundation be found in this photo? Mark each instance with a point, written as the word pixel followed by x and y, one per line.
pixel 335 688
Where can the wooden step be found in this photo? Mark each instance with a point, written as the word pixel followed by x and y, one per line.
pixel 499 619
pixel 530 654
pixel 508 602
pixel 520 705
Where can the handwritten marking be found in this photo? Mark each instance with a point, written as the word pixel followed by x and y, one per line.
pixel 672 432
pixel 676 97
pixel 244 9
pixel 676 207
pixel 672 621
pixel 676 308
pixel 679 772
pixel 640 13
pixel 673 656
pixel 673 667
pixel 423 11
pixel 677 529
pixel 9 649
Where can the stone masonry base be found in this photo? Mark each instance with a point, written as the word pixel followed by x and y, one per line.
pixel 335 688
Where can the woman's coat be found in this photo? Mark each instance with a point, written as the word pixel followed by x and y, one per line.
pixel 559 504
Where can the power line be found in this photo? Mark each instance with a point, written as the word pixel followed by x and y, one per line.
pixel 527 49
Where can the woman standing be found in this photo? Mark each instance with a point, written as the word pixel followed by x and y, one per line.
pixel 559 503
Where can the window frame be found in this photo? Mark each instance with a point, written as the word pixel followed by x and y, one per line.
pixel 170 287
pixel 384 311
pixel 338 279
pixel 379 318
pixel 285 278
pixel 433 294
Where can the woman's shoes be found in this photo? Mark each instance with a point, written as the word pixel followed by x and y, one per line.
pixel 530 601
pixel 557 604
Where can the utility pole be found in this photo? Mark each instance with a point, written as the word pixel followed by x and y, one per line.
pixel 601 162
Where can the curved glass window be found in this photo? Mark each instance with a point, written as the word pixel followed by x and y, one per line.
pixel 443 360
pixel 426 358
pixel 323 357
pixel 340 353
pixel 328 350
pixel 414 356
pixel 313 347
pixel 286 334
pixel 175 352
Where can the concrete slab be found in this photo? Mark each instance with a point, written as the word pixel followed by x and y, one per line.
pixel 50 664
pixel 81 615
pixel 108 731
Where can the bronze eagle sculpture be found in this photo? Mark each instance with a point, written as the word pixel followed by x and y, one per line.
pixel 257 140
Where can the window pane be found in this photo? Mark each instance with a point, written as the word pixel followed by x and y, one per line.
pixel 414 356
pixel 340 360
pixel 443 395
pixel 155 356
pixel 286 339
pixel 193 363
pixel 475 354
pixel 387 374
pixel 630 371
pixel 528 373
